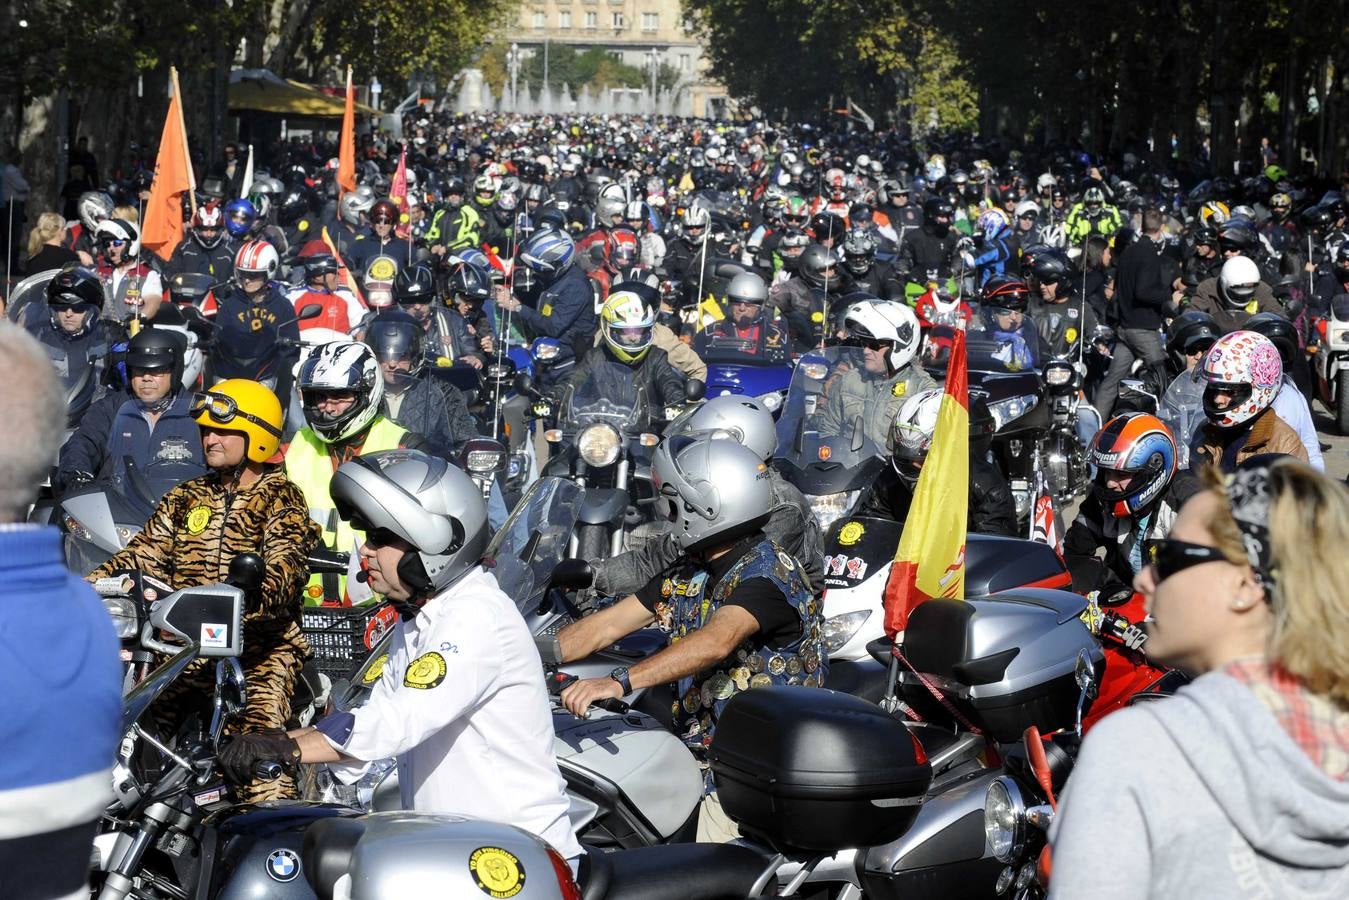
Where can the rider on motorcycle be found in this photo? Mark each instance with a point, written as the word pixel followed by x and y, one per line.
pixel 746 297
pixel 323 285
pixel 461 701
pixel 627 325
pixel 887 333
pixel 341 388
pixel 204 251
pixel 1002 317
pixel 1182 405
pixel 1235 295
pixel 790 523
pixel 566 306
pixel 1135 497
pixel 71 332
pixel 865 273
pixel 244 504
pixel 991 508
pixel 154 424
pixel 253 318
pixel 446 337
pixel 931 252
pixel 1061 319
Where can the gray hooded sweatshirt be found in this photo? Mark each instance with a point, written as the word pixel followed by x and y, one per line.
pixel 1199 795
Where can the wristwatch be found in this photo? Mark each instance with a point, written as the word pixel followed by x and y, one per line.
pixel 621 676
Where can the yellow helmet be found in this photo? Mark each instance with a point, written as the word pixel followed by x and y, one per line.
pixel 627 323
pixel 248 407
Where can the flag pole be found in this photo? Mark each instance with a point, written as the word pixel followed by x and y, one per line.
pixel 182 128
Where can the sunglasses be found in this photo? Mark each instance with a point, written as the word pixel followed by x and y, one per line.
pixel 222 410
pixel 1168 556
pixel 869 343
pixel 114 242
pixel 382 220
pixel 375 537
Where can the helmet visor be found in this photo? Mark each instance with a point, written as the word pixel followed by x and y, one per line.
pixel 632 337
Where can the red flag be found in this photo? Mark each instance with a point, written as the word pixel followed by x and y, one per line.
pixel 1044 519
pixel 346 148
pixel 930 559
pixel 398 193
pixel 163 228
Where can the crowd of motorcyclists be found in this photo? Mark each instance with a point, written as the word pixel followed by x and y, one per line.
pixel 319 362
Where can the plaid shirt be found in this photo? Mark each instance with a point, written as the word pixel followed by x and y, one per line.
pixel 1314 723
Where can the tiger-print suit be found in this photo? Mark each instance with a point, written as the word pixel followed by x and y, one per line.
pixel 192 535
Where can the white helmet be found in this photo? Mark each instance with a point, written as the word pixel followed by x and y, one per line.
pixel 1238 280
pixel 423 500
pixel 738 418
pixel 911 433
pixel 1045 182
pixel 1247 366
pixel 340 366
pixel 885 320
pixel 93 207
pixel 120 230
pixel 1027 208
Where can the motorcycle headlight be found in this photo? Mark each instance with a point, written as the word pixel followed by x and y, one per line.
pixel 598 444
pixel 547 352
pixel 838 630
pixel 771 401
pixel 1058 374
pixel 829 507
pixel 482 462
pixel 124 618
pixel 1012 408
pixel 1004 820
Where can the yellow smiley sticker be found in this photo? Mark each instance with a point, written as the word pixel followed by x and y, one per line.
pixel 497 872
pixel 1070 335
pixel 851 533
pixel 900 389
pixel 817 317
pixel 425 672
pixel 376 669
pixel 198 517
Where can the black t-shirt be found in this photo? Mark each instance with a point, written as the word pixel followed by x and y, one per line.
pixel 779 623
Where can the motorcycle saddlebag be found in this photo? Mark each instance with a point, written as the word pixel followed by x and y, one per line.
pixel 994 563
pixel 1005 662
pixel 808 769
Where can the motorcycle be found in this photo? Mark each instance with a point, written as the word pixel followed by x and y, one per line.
pixel 830 470
pixel 1331 361
pixel 758 367
pixel 1073 423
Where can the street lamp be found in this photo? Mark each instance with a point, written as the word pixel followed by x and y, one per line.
pixel 513 63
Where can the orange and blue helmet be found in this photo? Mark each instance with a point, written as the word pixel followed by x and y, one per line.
pixel 1140 448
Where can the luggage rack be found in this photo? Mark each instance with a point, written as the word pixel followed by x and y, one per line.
pixel 343 636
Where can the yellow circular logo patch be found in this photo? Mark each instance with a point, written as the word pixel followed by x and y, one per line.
pixel 851 533
pixel 1071 335
pixel 198 517
pixel 376 669
pixel 425 672
pixel 497 872
pixel 900 389
pixel 381 269
pixel 817 317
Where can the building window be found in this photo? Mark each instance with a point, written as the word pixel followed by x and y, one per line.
pixel 564 19
pixel 618 22
pixel 540 21
pixel 592 20
pixel 650 21
pixel 683 62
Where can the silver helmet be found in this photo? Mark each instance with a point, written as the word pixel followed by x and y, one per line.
pixel 423 500
pixel 712 491
pixel 739 418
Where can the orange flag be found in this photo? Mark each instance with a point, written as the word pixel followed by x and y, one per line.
pixel 346 149
pixel 930 560
pixel 163 229
pixel 398 193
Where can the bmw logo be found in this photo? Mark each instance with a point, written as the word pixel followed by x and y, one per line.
pixel 283 865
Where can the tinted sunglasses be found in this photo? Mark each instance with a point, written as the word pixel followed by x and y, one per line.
pixel 382 220
pixel 1168 556
pixel 223 410
pixel 868 343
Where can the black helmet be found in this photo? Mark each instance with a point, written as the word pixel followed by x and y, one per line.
pixel 471 282
pixel 814 265
pixel 319 264
pixel 75 287
pixel 1006 292
pixel 1318 218
pixel 1205 235
pixel 157 348
pixel 1050 267
pixel 938 206
pixel 1239 237
pixel 1189 329
pixel 415 285
pixel 393 335
pixel 526 285
pixel 1280 331
pixel 826 225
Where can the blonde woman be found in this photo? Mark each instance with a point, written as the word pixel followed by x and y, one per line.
pixel 44 245
pixel 1234 787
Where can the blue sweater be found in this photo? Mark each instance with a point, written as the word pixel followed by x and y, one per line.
pixel 61 670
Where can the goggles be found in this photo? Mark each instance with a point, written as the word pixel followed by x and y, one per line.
pixel 222 410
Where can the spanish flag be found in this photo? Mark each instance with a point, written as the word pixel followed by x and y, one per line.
pixel 346 146
pixel 930 561
pixel 163 229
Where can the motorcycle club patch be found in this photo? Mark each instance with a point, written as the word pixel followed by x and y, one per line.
pixel 425 672
pixel 497 872
pixel 900 389
pixel 1070 335
pixel 198 517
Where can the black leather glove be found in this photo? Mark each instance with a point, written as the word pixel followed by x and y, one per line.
pixel 245 751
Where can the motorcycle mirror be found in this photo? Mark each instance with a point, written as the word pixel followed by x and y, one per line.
pixel 524 383
pixel 572 574
pixel 694 390
pixel 310 311
pixel 246 571
pixel 1084 673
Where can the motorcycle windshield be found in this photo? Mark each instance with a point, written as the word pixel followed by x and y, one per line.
pixel 32 290
pixel 608 394
pixel 823 463
pixel 759 343
pixel 534 539
pixel 190 287
pixel 999 351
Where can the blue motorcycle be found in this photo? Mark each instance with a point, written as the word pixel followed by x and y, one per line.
pixel 752 360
